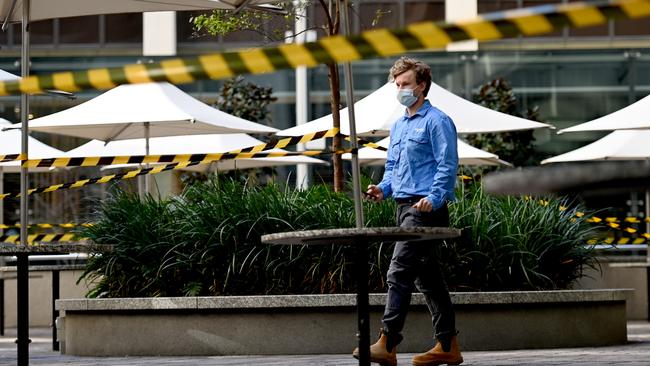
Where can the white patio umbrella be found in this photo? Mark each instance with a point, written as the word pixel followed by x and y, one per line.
pixel 377 112
pixel 198 144
pixel 634 116
pixel 10 141
pixel 467 155
pixel 10 144
pixel 6 76
pixel 141 111
pixel 618 145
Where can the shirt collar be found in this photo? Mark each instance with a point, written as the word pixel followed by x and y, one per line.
pixel 421 111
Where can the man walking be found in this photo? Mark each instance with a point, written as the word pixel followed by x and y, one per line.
pixel 420 174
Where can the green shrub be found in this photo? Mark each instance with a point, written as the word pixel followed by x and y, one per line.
pixel 207 242
pixel 512 243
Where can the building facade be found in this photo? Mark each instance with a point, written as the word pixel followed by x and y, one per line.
pixel 573 75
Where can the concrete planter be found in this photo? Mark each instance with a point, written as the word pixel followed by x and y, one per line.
pixel 321 324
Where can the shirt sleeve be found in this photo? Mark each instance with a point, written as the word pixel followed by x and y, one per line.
pixel 445 151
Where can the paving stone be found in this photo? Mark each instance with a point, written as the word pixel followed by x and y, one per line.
pixel 635 353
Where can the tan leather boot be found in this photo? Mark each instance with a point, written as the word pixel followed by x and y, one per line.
pixel 437 356
pixel 379 353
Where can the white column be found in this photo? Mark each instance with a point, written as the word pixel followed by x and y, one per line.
pixel 158 39
pixel 456 10
pixel 159 33
pixel 301 35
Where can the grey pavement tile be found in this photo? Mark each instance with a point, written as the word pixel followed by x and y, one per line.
pixel 635 353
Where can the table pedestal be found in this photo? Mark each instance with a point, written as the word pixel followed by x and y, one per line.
pixel 361 238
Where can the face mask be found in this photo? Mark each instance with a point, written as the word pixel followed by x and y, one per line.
pixel 406 97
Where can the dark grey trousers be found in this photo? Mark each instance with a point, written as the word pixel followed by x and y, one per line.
pixel 416 263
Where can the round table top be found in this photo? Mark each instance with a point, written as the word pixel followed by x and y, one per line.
pixel 571 178
pixel 359 235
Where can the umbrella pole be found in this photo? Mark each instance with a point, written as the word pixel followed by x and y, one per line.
pixel 647 217
pixel 2 207
pixel 362 251
pixel 22 284
pixel 354 146
pixel 147 177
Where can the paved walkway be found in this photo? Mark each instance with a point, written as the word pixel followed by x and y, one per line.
pixel 635 353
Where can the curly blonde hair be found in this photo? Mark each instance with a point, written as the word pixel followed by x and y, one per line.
pixel 404 64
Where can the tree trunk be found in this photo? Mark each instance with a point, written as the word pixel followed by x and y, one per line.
pixel 335 103
pixel 332 14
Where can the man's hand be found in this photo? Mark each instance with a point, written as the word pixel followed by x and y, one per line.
pixel 374 193
pixel 423 205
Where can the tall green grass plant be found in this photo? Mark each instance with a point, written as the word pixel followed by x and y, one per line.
pixel 207 242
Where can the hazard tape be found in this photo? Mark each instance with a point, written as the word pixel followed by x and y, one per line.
pixel 11 157
pixel 68 225
pixel 620 241
pixel 370 144
pixel 164 168
pixel 244 153
pixel 370 44
pixel 38 238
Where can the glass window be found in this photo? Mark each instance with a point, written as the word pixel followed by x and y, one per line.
pixel 41 32
pixel 185 28
pixel 316 19
pixel 486 6
pixel 632 27
pixel 424 11
pixel 79 29
pixel 4 36
pixel 377 15
pixel 124 28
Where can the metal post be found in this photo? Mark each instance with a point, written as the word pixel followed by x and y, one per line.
pixel 2 207
pixel 647 211
pixel 2 306
pixel 147 177
pixel 362 251
pixel 349 99
pixel 55 296
pixel 363 318
pixel 22 290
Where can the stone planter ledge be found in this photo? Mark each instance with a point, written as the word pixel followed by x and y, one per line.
pixel 326 324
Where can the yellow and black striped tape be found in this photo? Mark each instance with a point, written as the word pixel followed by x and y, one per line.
pixel 370 44
pixel 11 157
pixel 38 238
pixel 244 153
pixel 67 225
pixel 366 143
pixel 620 241
pixel 163 168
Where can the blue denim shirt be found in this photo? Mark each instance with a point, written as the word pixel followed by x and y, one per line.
pixel 422 157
